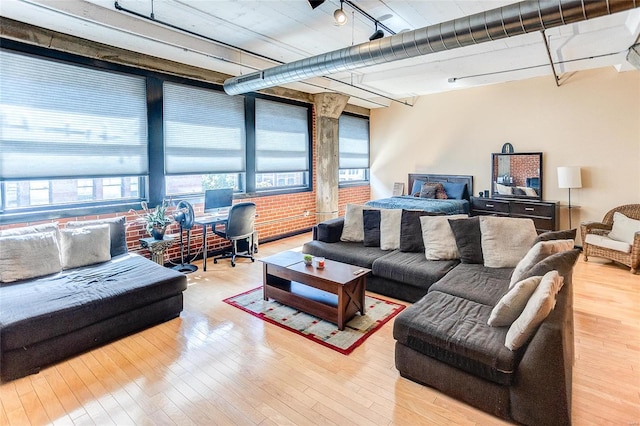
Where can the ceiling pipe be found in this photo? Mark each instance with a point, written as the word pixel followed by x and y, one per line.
pixel 507 21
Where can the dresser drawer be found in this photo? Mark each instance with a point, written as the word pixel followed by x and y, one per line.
pixel 531 209
pixel 489 205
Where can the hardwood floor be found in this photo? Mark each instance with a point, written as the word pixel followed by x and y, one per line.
pixel 219 365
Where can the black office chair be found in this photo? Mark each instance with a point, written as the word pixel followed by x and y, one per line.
pixel 239 227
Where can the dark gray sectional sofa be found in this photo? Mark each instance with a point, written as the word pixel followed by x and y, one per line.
pixel 443 339
pixel 46 319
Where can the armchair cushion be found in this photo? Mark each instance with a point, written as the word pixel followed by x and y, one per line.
pixel 606 242
pixel 624 228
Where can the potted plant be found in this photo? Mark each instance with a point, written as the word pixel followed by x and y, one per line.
pixel 156 220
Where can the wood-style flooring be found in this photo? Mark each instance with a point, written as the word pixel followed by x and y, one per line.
pixel 219 365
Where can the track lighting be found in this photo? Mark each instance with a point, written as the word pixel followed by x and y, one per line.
pixel 339 16
pixel 315 3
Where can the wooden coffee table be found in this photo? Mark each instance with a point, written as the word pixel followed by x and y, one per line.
pixel 334 293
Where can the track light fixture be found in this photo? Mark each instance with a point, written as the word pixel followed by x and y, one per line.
pixel 339 16
pixel 315 3
pixel 377 34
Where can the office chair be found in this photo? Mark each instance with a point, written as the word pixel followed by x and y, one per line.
pixel 240 226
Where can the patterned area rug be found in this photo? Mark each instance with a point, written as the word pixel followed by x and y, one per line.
pixel 356 331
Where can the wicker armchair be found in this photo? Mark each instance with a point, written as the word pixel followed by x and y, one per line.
pixel 632 258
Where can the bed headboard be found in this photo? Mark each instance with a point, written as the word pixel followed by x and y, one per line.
pixel 468 179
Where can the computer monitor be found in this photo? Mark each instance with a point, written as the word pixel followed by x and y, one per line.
pixel 216 199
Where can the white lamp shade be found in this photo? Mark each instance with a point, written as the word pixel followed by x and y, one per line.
pixel 569 177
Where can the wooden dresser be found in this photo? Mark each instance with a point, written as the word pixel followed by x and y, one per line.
pixel 543 213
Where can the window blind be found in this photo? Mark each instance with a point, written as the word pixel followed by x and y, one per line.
pixel 204 131
pixel 282 137
pixel 63 121
pixel 353 142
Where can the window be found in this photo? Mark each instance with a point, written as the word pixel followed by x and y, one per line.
pixel 60 123
pixel 353 149
pixel 204 139
pixel 282 145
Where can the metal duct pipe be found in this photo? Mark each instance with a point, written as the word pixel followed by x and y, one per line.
pixel 508 21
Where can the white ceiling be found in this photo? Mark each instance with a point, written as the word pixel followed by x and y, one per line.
pixel 288 30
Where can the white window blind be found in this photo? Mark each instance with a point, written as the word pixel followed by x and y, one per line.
pixel 204 131
pixel 62 121
pixel 282 137
pixel 353 142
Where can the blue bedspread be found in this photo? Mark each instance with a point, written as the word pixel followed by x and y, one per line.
pixel 409 202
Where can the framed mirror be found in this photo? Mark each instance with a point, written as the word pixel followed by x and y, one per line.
pixel 516 175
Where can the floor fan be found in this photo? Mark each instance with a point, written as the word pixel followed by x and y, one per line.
pixel 184 216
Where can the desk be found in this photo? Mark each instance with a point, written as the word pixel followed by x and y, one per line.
pixel 204 221
pixel 157 247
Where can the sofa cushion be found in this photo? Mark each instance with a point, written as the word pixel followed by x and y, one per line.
pixel 371 223
pixel 468 239
pixel 511 305
pixel 77 298
pixel 390 229
pixel 117 232
pixel 556 235
pixel 536 253
pixel 25 256
pixel 353 229
pixel 346 252
pixel 538 307
pixel 505 240
pixel 606 242
pixel 562 262
pixel 624 228
pixel 411 230
pixel 454 330
pixel 439 241
pixel 412 268
pixel 475 282
pixel 84 246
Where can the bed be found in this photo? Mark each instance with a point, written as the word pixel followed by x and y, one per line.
pixel 460 205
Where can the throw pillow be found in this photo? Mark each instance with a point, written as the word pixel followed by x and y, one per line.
pixel 417 186
pixel 390 228
pixel 84 246
pixel 624 228
pixel 562 262
pixel 538 307
pixel 441 194
pixel 353 229
pixel 504 189
pixel 455 191
pixel 468 239
pixel 371 220
pixel 34 229
pixel 411 230
pixel 117 232
pixel 538 252
pixel 511 305
pixel 530 192
pixel 505 240
pixel 428 191
pixel 28 256
pixel 556 235
pixel 439 241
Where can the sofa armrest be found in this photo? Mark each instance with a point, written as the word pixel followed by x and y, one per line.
pixel 329 231
pixel 597 228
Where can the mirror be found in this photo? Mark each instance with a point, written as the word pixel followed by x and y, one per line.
pixel 517 175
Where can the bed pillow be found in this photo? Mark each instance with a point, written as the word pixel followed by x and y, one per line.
pixel 390 228
pixel 538 252
pixel 411 230
pixel 556 235
pixel 417 186
pixel 353 229
pixel 439 241
pixel 428 191
pixel 468 239
pixel 455 191
pixel 28 256
pixel 511 305
pixel 371 222
pixel 441 194
pixel 117 232
pixel 505 240
pixel 538 307
pixel 84 246
pixel 624 228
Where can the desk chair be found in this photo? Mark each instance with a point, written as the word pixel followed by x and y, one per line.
pixel 240 226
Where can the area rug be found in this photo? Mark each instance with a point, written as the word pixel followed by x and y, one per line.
pixel 356 331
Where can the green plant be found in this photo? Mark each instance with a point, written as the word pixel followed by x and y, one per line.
pixel 157 217
pixel 308 257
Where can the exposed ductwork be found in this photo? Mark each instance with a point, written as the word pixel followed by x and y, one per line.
pixel 508 21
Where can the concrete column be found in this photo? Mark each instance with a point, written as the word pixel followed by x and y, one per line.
pixel 328 107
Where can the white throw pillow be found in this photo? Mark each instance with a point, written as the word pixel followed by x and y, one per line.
pixel 34 229
pixel 390 228
pixel 28 256
pixel 540 304
pixel 511 305
pixel 504 189
pixel 438 238
pixel 353 229
pixel 84 246
pixel 506 240
pixel 624 228
pixel 538 252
